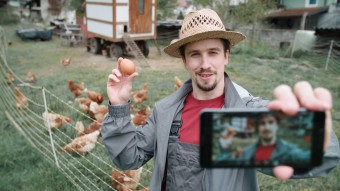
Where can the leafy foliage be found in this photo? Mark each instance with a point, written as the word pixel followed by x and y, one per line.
pixel 165 9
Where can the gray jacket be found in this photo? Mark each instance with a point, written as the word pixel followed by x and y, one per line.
pixel 130 147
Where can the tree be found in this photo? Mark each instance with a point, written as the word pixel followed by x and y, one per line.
pixel 165 9
pixel 249 12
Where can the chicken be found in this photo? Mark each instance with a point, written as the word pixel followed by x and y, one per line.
pixel 83 144
pixel 94 96
pixel 30 77
pixel 9 78
pixel 127 179
pixel 66 61
pixel 140 116
pixel 76 89
pixel 178 83
pixel 84 104
pixel 9 42
pixel 94 126
pixel 140 96
pixel 56 120
pixel 20 100
pixel 98 112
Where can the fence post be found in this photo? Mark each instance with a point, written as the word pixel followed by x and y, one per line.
pixel 49 128
pixel 329 54
pixel 291 55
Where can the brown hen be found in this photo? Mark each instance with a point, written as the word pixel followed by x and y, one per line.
pixel 30 77
pixel 127 179
pixel 139 118
pixel 20 100
pixel 94 126
pixel 83 144
pixel 98 112
pixel 84 104
pixel 56 120
pixel 94 96
pixel 178 83
pixel 76 89
pixel 140 96
pixel 9 78
pixel 66 61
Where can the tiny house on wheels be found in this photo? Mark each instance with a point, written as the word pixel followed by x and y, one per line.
pixel 120 26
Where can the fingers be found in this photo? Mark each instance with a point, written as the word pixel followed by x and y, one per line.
pixel 285 100
pixel 305 94
pixel 119 61
pixel 324 96
pixel 112 78
pixel 283 172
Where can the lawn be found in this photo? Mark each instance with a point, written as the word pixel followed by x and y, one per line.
pixel 24 167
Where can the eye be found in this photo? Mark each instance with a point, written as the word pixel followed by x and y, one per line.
pixel 271 121
pixel 194 54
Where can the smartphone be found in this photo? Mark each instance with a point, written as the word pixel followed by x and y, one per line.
pixel 241 138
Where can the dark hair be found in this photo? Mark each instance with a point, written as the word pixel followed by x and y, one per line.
pixel 226 46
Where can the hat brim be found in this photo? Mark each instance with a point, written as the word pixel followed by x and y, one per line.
pixel 232 36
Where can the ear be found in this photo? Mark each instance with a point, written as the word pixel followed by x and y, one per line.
pixel 185 63
pixel 226 57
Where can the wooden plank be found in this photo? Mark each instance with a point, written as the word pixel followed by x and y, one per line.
pixel 97 3
pixel 101 21
pixel 104 37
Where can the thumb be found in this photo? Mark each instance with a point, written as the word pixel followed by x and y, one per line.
pixel 283 172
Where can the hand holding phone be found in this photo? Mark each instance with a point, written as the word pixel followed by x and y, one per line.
pixel 261 138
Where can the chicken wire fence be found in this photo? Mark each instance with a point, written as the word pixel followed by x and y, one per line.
pixel 324 55
pixel 91 171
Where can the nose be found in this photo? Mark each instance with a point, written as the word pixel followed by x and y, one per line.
pixel 205 62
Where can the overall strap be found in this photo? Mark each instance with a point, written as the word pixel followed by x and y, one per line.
pixel 176 124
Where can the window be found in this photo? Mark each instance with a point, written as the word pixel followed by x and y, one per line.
pixel 311 3
pixel 141 6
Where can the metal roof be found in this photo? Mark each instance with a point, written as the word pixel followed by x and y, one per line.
pixel 298 12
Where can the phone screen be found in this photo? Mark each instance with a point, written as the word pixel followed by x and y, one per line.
pixel 261 138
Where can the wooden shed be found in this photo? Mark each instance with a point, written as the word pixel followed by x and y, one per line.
pixel 115 24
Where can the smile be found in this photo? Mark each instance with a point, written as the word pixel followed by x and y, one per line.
pixel 205 76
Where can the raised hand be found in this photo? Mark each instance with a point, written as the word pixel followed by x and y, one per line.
pixel 304 96
pixel 119 85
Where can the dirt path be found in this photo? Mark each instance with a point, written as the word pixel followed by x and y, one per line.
pixel 102 62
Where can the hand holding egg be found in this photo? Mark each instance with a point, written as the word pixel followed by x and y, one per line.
pixel 119 83
pixel 127 66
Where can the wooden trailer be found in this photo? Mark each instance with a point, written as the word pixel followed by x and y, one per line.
pixel 120 26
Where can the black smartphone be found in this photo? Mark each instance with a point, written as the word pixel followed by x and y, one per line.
pixel 234 138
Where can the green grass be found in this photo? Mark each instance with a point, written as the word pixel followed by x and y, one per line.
pixel 259 70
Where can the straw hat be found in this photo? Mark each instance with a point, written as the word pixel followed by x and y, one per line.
pixel 200 25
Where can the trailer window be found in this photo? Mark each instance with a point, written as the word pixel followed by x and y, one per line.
pixel 141 6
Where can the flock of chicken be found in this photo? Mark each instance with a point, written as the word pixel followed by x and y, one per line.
pixel 87 137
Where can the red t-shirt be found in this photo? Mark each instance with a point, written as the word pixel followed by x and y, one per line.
pixel 263 153
pixel 190 130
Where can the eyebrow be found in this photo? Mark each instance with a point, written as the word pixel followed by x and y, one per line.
pixel 209 49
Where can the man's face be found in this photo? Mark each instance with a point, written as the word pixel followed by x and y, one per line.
pixel 205 61
pixel 267 128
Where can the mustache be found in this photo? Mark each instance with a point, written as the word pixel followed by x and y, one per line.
pixel 201 71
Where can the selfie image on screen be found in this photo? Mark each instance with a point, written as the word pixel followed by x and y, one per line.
pixel 261 139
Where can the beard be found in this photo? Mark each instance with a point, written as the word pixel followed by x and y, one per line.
pixel 202 86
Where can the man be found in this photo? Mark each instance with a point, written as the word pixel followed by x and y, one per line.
pixel 171 133
pixel 272 148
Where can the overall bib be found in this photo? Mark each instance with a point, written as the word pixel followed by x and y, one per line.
pixel 183 167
